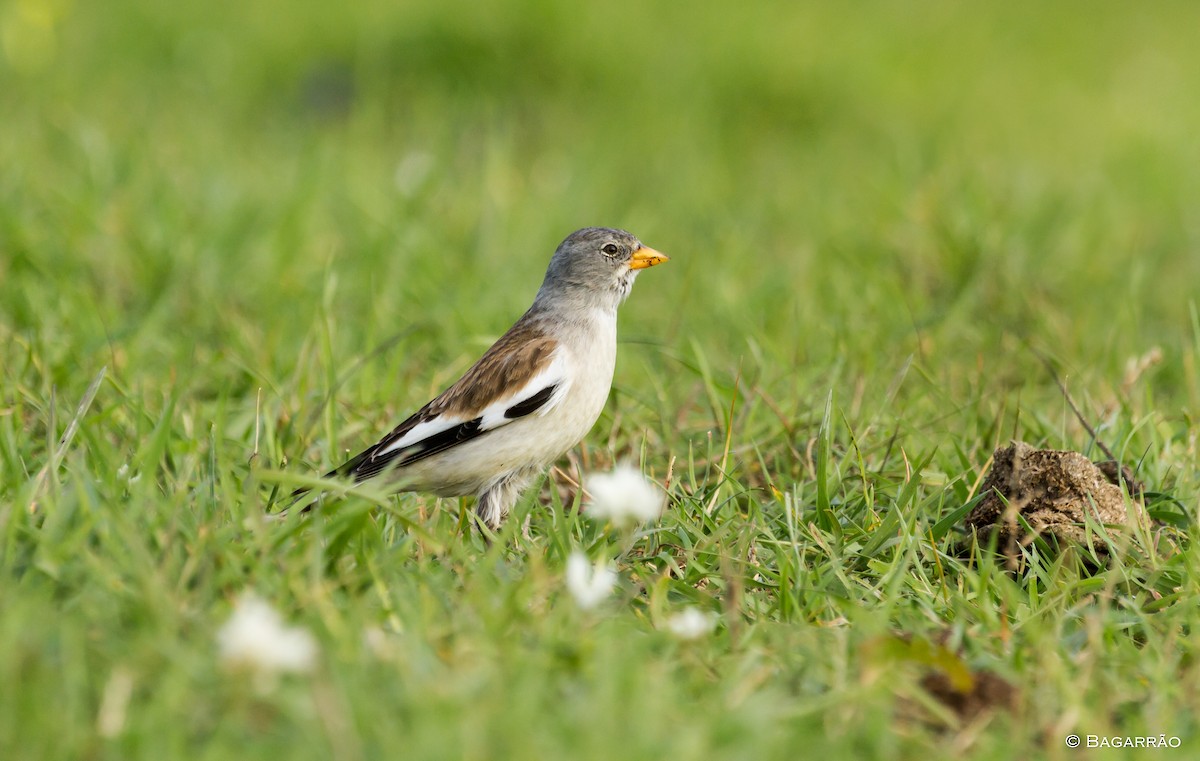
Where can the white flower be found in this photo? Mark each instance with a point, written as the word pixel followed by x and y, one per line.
pixel 256 638
pixel 623 496
pixel 692 623
pixel 589 584
pixel 123 474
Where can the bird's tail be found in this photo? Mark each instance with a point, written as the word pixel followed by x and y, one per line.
pixel 346 469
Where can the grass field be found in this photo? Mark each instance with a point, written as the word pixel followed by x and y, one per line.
pixel 271 230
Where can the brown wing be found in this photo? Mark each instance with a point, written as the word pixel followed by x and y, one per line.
pixel 457 414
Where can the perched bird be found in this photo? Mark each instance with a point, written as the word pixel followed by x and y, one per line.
pixel 532 396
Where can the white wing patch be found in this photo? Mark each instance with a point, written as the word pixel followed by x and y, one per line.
pixel 555 374
pixel 420 432
pixel 492 416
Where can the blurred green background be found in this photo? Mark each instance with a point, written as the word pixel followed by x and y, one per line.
pixel 283 225
pixel 818 172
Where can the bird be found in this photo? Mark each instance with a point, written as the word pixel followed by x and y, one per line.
pixel 531 397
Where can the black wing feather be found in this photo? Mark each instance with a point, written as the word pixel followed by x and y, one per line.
pixel 369 463
pixel 532 404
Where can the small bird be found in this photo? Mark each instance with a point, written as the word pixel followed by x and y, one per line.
pixel 532 396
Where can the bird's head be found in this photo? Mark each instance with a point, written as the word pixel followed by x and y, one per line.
pixel 597 264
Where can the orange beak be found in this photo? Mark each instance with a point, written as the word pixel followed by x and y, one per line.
pixel 646 257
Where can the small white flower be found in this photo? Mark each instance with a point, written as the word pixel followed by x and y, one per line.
pixel 589 583
pixel 256 638
pixel 692 623
pixel 623 496
pixel 123 474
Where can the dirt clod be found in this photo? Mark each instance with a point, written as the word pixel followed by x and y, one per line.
pixel 984 692
pixel 1052 491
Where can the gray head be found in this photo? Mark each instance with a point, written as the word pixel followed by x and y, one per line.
pixel 595 267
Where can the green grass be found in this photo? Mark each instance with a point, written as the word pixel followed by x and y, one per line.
pixel 277 228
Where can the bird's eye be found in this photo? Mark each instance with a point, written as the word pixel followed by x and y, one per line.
pixel 610 249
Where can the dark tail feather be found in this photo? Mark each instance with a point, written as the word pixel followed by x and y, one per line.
pixel 348 468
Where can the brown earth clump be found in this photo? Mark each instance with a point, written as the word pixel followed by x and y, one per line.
pixel 1052 491
pixel 984 692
